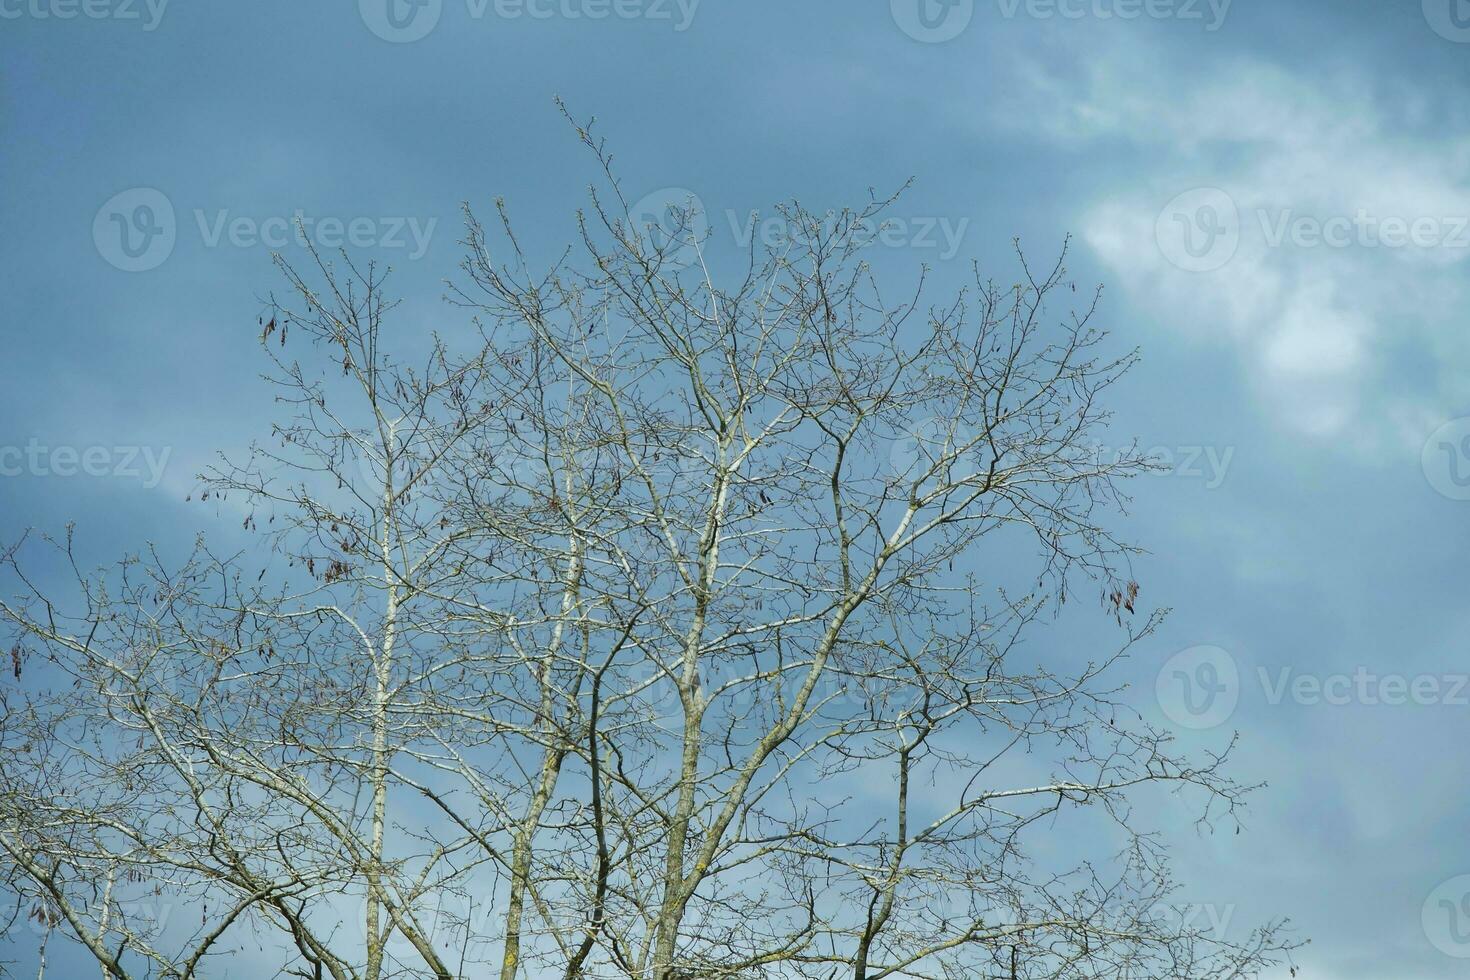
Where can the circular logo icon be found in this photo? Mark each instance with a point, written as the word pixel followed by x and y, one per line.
pixel 1446 917
pixel 1199 230
pixel 932 21
pixel 400 21
pixel 1450 19
pixel 1198 688
pixel 672 223
pixel 1446 459
pixel 135 230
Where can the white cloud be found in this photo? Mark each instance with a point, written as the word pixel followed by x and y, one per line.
pixel 1330 272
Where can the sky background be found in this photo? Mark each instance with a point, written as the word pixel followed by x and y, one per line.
pixel 1275 194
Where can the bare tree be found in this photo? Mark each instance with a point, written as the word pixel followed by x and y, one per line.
pixel 655 628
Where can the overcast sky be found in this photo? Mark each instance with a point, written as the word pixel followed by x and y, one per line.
pixel 1276 196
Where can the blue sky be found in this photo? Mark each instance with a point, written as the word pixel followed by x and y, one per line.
pixel 1276 196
